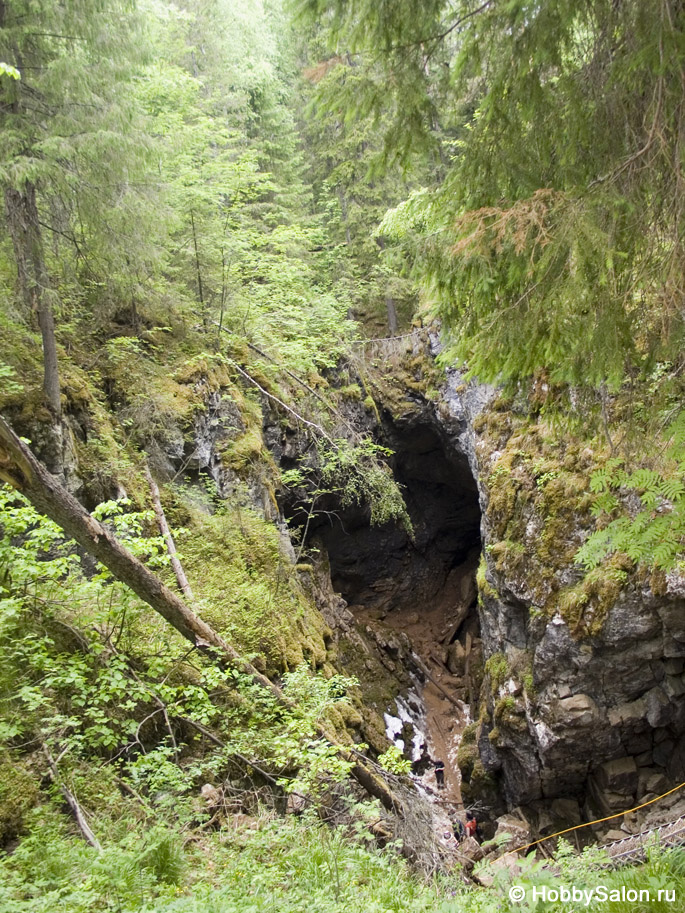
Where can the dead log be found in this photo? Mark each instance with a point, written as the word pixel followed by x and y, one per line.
pixel 181 578
pixel 431 678
pixel 23 471
pixel 462 614
pixel 72 802
pixel 467 668
pixel 20 468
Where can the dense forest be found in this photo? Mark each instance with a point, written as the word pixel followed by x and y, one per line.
pixel 342 454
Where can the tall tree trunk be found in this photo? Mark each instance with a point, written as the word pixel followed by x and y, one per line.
pixel 20 468
pixel 24 229
pixel 392 314
pixel 390 307
pixel 200 289
pixel 346 221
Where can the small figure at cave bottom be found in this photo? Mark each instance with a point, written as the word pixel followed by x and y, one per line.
pixel 439 773
pixel 471 827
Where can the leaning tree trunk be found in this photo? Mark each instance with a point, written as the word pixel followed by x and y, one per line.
pixel 20 468
pixel 181 578
pixel 24 229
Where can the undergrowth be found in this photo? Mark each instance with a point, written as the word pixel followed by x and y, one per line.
pixel 294 865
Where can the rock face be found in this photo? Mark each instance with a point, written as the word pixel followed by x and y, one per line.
pixel 583 697
pixel 585 684
pixel 582 706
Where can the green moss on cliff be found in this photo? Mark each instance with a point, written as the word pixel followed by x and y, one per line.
pixel 247 588
pixel 585 605
pixel 409 373
pixel 467 755
pixel 497 670
pixel 538 512
pixel 18 793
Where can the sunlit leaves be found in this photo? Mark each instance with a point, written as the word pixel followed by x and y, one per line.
pixel 653 534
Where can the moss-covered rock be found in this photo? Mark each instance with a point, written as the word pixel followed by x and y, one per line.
pixel 18 794
pixel 467 755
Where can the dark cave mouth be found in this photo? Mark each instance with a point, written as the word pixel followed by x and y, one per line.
pixel 382 568
pixel 421 587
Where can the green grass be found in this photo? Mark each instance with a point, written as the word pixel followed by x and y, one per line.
pixel 270 864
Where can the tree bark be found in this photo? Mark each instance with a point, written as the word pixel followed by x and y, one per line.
pixel 73 804
pixel 20 468
pixel 181 578
pixel 390 307
pixel 34 284
pixel 392 314
pixel 200 289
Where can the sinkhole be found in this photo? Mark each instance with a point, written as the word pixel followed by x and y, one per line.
pixel 415 596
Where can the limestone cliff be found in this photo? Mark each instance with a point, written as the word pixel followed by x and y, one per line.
pixel 583 694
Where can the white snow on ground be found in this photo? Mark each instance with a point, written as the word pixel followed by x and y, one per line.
pixel 395 724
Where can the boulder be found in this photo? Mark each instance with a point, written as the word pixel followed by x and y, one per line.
pixel 471 849
pixel 512 831
pixel 675 765
pixel 651 780
pixel 567 811
pixel 663 752
pixel 658 708
pixel 619 776
pixel 509 862
pixel 296 804
pixel 578 710
pixel 456 658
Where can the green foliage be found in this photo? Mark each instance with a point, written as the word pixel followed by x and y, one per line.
pixel 655 533
pixel 551 238
pixel 357 475
pixel 162 855
pixel 292 865
pixel 351 472
pixel 394 761
pixel 340 155
pixel 9 384
pixel 84 672
pixel 82 146
pixel 18 793
pixel 241 231
pixel 7 70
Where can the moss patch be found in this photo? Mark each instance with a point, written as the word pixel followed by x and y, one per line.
pixel 247 588
pixel 18 794
pixel 497 670
pixel 539 511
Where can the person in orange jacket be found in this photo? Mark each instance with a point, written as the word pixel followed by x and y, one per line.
pixel 471 827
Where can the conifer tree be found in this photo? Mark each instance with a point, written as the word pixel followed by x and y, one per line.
pixel 64 154
pixel 555 240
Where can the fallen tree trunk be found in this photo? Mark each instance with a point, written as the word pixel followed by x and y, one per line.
pixel 72 802
pixel 20 468
pixel 166 535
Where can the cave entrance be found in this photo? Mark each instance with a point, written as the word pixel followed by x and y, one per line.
pixel 422 587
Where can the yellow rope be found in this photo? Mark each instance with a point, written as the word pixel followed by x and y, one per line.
pixel 577 827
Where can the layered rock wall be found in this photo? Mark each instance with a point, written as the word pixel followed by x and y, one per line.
pixel 583 696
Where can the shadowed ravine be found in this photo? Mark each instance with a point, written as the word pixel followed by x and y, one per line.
pixel 420 592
